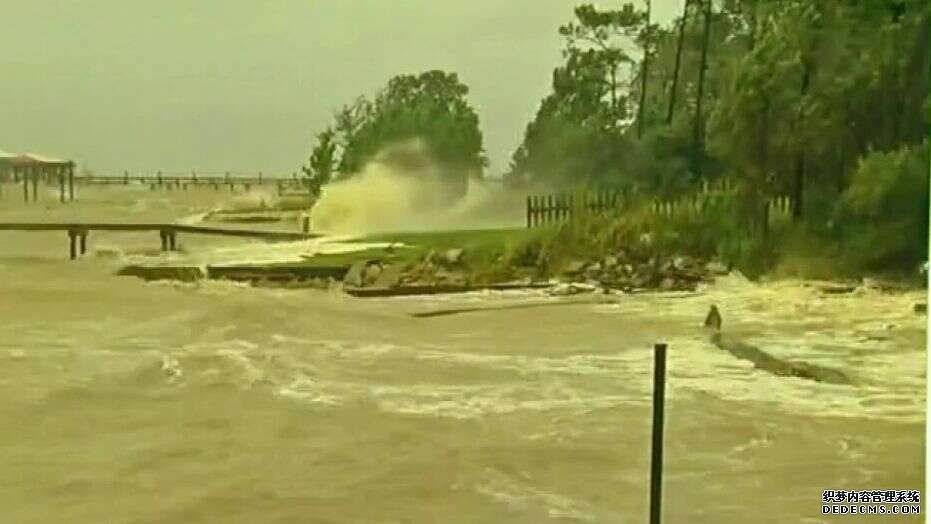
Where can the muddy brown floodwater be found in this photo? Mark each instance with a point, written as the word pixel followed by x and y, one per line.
pixel 130 402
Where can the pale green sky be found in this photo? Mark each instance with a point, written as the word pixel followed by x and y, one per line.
pixel 240 85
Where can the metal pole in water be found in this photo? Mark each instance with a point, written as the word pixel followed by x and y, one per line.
pixel 656 459
pixel 71 182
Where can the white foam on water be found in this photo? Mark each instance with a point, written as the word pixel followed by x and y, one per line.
pixel 310 391
pixel 465 402
pixel 520 496
pixel 525 365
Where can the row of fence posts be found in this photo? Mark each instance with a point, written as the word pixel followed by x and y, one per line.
pixel 66 180
pixel 555 208
pixel 779 207
pixel 170 182
pixel 550 209
pixel 229 181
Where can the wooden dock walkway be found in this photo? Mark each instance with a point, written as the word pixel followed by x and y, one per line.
pixel 66 182
pixel 171 181
pixel 78 232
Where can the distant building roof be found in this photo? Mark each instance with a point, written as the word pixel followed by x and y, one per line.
pixel 39 159
pixel 29 159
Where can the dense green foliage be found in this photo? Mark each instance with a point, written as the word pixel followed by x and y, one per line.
pixel 322 163
pixel 825 101
pixel 883 215
pixel 431 107
pixel 577 136
pixel 822 101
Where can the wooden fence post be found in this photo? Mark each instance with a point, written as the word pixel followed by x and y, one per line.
pixel 541 210
pixel 529 212
pixel 656 456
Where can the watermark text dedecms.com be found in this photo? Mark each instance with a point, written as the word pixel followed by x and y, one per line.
pixel 871 502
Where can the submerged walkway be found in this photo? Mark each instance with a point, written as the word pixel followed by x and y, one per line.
pixel 78 231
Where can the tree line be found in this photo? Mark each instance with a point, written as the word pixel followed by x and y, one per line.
pixel 822 100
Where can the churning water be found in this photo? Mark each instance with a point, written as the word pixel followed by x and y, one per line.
pixel 124 401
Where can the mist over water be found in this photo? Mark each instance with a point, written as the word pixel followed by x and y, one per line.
pixel 405 189
pixel 125 401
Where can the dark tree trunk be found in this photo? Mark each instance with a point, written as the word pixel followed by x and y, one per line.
pixel 916 89
pixel 644 73
pixel 762 189
pixel 703 66
pixel 614 91
pixel 798 188
pixel 675 72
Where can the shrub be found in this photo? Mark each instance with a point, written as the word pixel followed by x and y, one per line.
pixel 882 218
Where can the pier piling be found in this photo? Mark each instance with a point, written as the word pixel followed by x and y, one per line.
pixel 72 243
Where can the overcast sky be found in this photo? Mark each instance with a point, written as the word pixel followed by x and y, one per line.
pixel 240 85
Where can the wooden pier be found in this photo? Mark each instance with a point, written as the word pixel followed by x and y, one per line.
pixel 168 233
pixel 64 178
pixel 183 181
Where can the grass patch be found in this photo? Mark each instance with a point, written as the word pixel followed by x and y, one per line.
pixel 487 252
pixel 469 239
pixel 485 249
